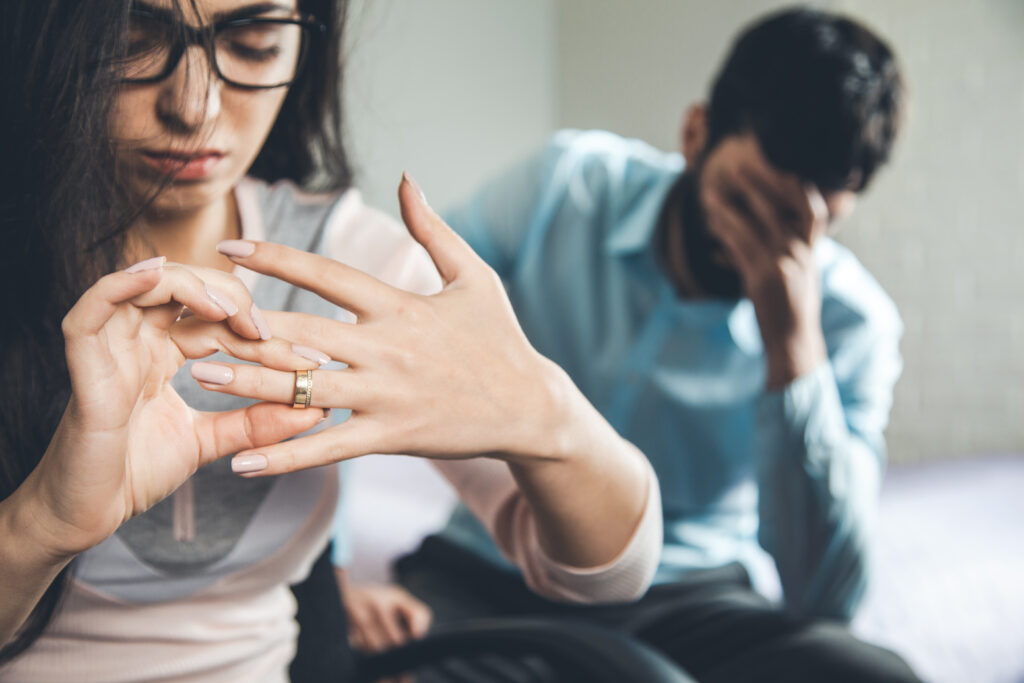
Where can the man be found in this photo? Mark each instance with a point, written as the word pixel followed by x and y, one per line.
pixel 703 309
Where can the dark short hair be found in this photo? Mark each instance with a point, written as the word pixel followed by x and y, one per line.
pixel 822 94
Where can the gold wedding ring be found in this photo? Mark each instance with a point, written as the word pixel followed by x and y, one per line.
pixel 303 389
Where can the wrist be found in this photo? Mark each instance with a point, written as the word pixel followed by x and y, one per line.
pixel 793 357
pixel 557 421
pixel 26 534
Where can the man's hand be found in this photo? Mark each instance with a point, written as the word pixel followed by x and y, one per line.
pixel 382 616
pixel 768 222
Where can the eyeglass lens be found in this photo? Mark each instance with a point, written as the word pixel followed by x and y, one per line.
pixel 259 54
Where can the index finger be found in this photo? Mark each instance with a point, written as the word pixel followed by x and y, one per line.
pixel 336 282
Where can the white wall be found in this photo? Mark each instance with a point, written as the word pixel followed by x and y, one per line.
pixel 449 90
pixel 942 229
pixel 452 90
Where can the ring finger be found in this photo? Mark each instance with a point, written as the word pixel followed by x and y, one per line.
pixel 330 388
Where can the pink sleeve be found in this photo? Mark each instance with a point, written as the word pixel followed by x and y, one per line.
pixel 489 490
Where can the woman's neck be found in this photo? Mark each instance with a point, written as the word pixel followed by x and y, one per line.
pixel 187 236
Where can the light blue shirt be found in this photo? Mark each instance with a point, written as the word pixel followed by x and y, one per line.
pixel 743 471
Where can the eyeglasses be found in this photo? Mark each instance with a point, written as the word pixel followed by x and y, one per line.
pixel 253 53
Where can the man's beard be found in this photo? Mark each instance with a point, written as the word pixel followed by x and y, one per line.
pixel 715 280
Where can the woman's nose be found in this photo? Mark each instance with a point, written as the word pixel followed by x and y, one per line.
pixel 190 96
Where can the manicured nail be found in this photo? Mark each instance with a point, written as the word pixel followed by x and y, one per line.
pixel 148 264
pixel 309 353
pixel 260 322
pixel 416 186
pixel 253 462
pixel 221 299
pixel 237 248
pixel 213 373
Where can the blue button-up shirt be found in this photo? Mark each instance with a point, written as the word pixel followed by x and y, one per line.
pixel 742 470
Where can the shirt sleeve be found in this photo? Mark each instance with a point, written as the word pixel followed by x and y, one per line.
pixel 821 457
pixel 489 490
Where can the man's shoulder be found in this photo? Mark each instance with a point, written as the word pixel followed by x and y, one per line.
pixel 851 296
pixel 605 179
pixel 618 158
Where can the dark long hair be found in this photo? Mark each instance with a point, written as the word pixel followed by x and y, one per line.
pixel 64 218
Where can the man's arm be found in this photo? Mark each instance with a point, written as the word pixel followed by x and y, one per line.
pixel 820 461
pixel 820 444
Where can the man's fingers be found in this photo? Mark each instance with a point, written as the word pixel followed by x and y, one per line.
pixel 263 424
pixel 416 615
pixel 336 282
pixel 450 253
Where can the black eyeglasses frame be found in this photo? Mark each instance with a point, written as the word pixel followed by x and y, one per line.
pixel 204 36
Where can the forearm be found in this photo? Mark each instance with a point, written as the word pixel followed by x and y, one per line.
pixel 818 487
pixel 588 490
pixel 26 569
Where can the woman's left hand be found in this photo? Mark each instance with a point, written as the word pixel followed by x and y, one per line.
pixel 450 375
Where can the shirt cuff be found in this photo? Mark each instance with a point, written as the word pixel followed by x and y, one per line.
pixel 805 413
pixel 623 579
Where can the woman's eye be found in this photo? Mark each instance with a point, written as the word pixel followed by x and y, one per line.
pixel 258 43
pixel 255 54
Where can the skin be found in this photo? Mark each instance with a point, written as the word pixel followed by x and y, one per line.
pixel 448 376
pixel 767 222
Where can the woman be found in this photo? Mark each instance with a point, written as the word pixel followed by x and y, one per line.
pixel 129 130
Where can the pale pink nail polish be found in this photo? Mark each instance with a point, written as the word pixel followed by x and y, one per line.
pixel 253 462
pixel 148 264
pixel 236 248
pixel 212 373
pixel 415 186
pixel 221 299
pixel 309 353
pixel 260 322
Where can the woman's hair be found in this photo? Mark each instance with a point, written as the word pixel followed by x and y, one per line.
pixel 64 218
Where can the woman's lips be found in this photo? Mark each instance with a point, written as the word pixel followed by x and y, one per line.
pixel 194 166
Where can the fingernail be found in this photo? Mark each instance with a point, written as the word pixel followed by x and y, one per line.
pixel 253 462
pixel 221 299
pixel 148 264
pixel 237 248
pixel 416 186
pixel 260 322
pixel 214 373
pixel 318 357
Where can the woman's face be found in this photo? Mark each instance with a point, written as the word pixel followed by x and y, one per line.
pixel 192 125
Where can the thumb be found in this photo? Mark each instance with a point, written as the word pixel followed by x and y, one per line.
pixel 449 252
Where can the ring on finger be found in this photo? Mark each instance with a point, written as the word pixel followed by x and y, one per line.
pixel 303 396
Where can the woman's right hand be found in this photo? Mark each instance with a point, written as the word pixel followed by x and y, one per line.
pixel 127 439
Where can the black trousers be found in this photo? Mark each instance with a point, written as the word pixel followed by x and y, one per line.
pixel 322 654
pixel 713 624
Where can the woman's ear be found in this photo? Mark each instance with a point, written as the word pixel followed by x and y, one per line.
pixel 694 133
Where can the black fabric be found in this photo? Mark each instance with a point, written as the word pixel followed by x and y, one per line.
pixel 713 624
pixel 323 652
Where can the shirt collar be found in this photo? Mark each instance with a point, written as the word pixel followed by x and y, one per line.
pixel 634 234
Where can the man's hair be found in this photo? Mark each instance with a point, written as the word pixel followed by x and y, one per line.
pixel 822 94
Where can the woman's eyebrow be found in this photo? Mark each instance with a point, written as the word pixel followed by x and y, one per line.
pixel 239 13
pixel 251 11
